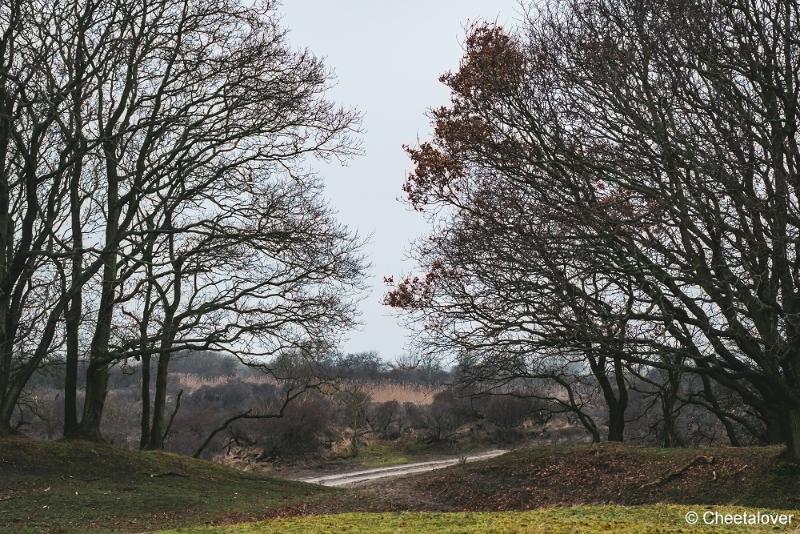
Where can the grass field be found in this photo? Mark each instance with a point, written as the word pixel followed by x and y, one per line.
pixel 83 487
pixel 650 519
pixel 77 487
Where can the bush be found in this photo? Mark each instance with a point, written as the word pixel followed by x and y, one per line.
pixel 305 429
pixel 445 414
pixel 510 412
pixel 385 419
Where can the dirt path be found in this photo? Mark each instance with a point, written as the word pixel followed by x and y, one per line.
pixel 358 477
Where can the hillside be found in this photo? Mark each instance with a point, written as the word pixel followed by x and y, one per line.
pixel 606 474
pixel 610 474
pixel 574 489
pixel 80 487
pixel 77 487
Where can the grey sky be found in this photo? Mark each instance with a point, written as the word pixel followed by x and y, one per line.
pixel 387 57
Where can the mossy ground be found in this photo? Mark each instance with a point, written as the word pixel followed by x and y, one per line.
pixel 651 519
pixel 78 487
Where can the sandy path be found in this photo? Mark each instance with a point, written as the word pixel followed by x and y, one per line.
pixel 357 477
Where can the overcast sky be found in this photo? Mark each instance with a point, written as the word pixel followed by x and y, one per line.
pixel 387 57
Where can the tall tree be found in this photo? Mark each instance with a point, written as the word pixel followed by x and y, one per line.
pixel 154 192
pixel 662 135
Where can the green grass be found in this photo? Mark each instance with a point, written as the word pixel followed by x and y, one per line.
pixel 80 487
pixel 387 454
pixel 649 519
pixel 86 487
pixel 391 453
pixel 380 454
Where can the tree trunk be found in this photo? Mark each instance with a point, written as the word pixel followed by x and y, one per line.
pixel 72 317
pixel 97 373
pixel 670 437
pixel 71 376
pixel 589 425
pixel 616 421
pixel 6 412
pixel 5 429
pixel 8 404
pixel 5 387
pixel 96 391
pixel 159 403
pixel 616 410
pixel 5 360
pixel 708 393
pixel 791 432
pixel 13 388
pixel 616 400
pixel 72 314
pixel 144 439
pixel 144 344
pixel 157 430
pixel 773 432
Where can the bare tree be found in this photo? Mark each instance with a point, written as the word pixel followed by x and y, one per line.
pixel 153 161
pixel 259 278
pixel 35 158
pixel 510 292
pixel 662 135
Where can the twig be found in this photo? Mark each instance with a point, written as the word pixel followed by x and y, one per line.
pixel 674 474
pixel 167 474
pixel 172 417
pixel 290 395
